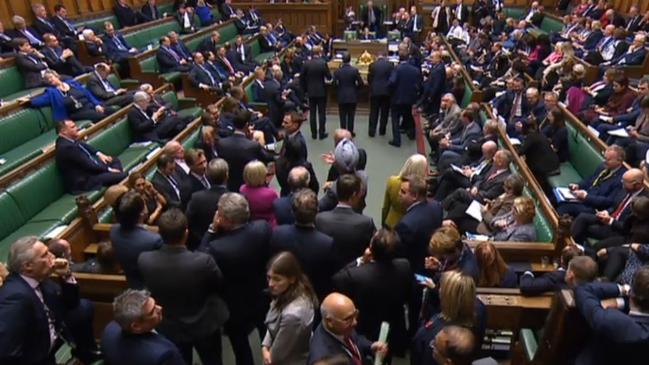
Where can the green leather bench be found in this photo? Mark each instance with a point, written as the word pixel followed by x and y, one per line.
pixel 584 160
pixel 116 140
pixel 468 95
pixel 144 37
pixel 515 13
pixel 259 56
pixel 13 84
pixel 97 24
pixel 172 98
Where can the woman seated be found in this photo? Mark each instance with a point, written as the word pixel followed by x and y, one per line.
pixel 500 206
pixel 154 201
pixel 256 190
pixel 518 224
pixel 557 134
pixel 69 100
pixel 393 210
pixel 494 272
pixel 619 101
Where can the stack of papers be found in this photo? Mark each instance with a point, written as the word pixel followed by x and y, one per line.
pixel 620 132
pixel 475 210
pixel 563 194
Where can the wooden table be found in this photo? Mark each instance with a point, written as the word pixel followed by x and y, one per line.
pixel 357 47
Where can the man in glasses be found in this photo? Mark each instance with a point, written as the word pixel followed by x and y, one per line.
pixel 336 335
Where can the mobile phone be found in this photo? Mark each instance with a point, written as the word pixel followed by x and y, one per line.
pixel 421 278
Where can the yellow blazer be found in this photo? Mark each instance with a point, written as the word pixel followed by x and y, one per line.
pixel 392 209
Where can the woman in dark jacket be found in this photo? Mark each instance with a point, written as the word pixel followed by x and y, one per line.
pixel 557 133
pixel 539 155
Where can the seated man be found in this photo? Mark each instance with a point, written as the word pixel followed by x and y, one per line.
pixel 31 63
pixel 179 46
pixel 635 55
pixel 104 90
pixel 170 180
pixel 168 59
pixel 62 23
pixel 452 148
pixel 82 166
pixel 151 126
pixel 598 191
pixel 131 337
pixel 203 77
pixel 240 56
pixel 574 269
pixel 117 49
pixel 210 44
pixel 44 25
pixel 62 60
pixel 267 40
pixel 94 44
pixel 616 336
pixel 157 102
pixel 6 47
pixel 126 16
pixel 21 30
pixel 185 18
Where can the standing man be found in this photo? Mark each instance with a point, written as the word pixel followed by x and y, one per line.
pixel 461 12
pixel 405 82
pixel 415 24
pixel 347 80
pixel 378 79
pixel 314 74
pixel 371 17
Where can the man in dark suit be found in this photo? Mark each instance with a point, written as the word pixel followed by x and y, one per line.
pixel 130 238
pixel 150 12
pixel 151 126
pixel 313 249
pixel 186 284
pixel 30 295
pixel 617 336
pixel 634 56
pixel 240 55
pixel 314 73
pixel 169 182
pixel 179 46
pixel 104 90
pixel 598 191
pixel 634 22
pixel 298 179
pixel 240 249
pixel 351 231
pixel 513 105
pixel 126 16
pixel 203 77
pixel 45 25
pixel 461 12
pixel 129 340
pixel 569 274
pixel 415 25
pixel 267 40
pixel 94 44
pixel 210 44
pixel 185 18
pixel 348 81
pixel 336 336
pixel 378 78
pixel 610 222
pixel 82 166
pixel 435 85
pixel 6 43
pixel 168 59
pixel 117 49
pixel 237 150
pixel 21 30
pixel 277 96
pixel 405 82
pixel 226 10
pixel 257 87
pixel 63 25
pixel 196 179
pixel 62 60
pixel 371 17
pixel 375 283
pixel 31 63
pixel 202 205
pixel 452 149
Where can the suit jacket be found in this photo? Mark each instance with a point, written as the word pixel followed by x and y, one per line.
pixel 166 61
pixel 283 209
pixel 6 45
pixel 76 166
pixel 112 50
pixel 379 291
pixel 31 67
pixel 314 73
pixel 185 284
pixel 198 75
pixel 506 103
pixel 539 154
pixel 175 198
pixel 126 16
pixel 150 13
pixel 151 348
pixel 200 212
pixel 313 249
pixel 206 46
pixel 365 18
pixel 14 33
pixel 469 133
pixel 592 39
pixel 634 58
pixel 237 150
pixel 45 26
pixel 617 337
pixel 405 82
pixel 142 125
pixel 490 188
pixel 415 229
pixel 350 231
pixel 348 81
pixel 64 26
pixel 550 281
pixel 95 49
pixel 242 254
pixel 324 346
pixel 128 245
pixel 273 96
pixel 602 195
pixel 70 66
pixel 24 329
pixel 97 87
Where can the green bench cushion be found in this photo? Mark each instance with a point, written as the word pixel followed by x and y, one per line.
pixel 97 24
pixel 12 82
pixel 584 159
pixel 567 176
pixel 262 57
pixel 38 229
pixel 228 32
pixel 468 94
pixel 171 77
pixel 35 192
pixel 550 25
pixel 516 13
pixel 193 112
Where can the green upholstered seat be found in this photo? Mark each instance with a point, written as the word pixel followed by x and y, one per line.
pixel 97 24
pixel 228 32
pixel 13 83
pixel 38 229
pixel 584 159
pixel 171 98
pixel 550 24
pixel 468 94
pixel 515 13
pixel 116 141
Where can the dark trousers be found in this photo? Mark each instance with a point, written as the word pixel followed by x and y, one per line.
pixel 264 125
pixel 573 209
pixel 79 322
pixel 238 332
pixel 615 262
pixel 106 178
pixel 379 105
pixel 401 113
pixel 170 126
pixel 450 181
pixel 587 225
pixel 121 100
pixel 319 105
pixel 346 112
pixel 208 349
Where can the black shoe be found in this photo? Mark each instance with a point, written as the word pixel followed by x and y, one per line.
pixel 314 136
pixel 324 135
pixel 382 132
pixel 371 135
pixel 395 144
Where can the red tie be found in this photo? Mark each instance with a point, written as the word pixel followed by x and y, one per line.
pixel 621 206
pixel 356 356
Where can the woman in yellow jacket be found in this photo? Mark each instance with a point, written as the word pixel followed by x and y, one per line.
pixel 392 209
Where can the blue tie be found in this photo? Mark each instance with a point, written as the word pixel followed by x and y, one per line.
pixel 119 43
pixel 90 156
pixel 208 74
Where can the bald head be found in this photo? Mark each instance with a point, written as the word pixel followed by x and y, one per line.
pixel 298 178
pixel 175 149
pixel 341 134
pixel 338 314
pixel 489 149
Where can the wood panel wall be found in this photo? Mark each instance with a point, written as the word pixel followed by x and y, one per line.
pixel 296 16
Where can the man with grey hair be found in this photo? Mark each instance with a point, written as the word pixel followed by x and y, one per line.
pixel 150 125
pixel 34 307
pixel 203 204
pixel 131 337
pixel 240 248
pixel 21 30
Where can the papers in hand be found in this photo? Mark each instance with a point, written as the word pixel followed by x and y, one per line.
pixel 563 194
pixel 620 132
pixel 475 210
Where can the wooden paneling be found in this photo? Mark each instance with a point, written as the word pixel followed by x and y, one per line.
pixel 296 17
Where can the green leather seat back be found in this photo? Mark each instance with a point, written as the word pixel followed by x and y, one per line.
pixel 149 64
pixel 468 94
pixel 228 33
pixel 170 97
pixel 97 24
pixel 550 24
pixel 11 80
pixel 115 139
pixel 11 217
pixel 20 127
pixel 255 48
pixel 38 190
pixel 584 157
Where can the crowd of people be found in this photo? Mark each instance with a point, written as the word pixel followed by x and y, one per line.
pixel 209 248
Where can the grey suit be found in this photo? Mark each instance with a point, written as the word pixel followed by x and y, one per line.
pixel 351 232
pixel 289 331
pixel 521 233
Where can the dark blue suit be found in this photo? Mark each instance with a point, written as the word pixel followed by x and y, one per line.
pixel 24 331
pixel 434 88
pixel 121 348
pixel 405 82
pixel 592 40
pixel 378 78
pixel 630 59
pixel 258 93
pixel 600 196
pixel 128 245
pixel 324 345
pixel 284 210
pixel 617 337
pixel 113 51
pixel 348 81
pixel 551 281
pixel 313 249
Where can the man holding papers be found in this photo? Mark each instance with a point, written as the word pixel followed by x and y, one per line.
pixel 598 190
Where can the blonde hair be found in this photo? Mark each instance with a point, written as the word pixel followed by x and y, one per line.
pixel 444 240
pixel 254 174
pixel 416 164
pixel 524 208
pixel 457 298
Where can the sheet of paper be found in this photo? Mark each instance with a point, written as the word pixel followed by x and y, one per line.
pixel 457 168
pixel 515 141
pixel 477 237
pixel 620 132
pixel 566 193
pixel 474 210
pixel 594 131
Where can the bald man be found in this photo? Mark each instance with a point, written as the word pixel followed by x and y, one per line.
pixel 606 225
pixel 336 335
pixel 453 345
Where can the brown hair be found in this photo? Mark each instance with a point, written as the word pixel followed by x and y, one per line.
pixel 491 264
pixel 286 264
